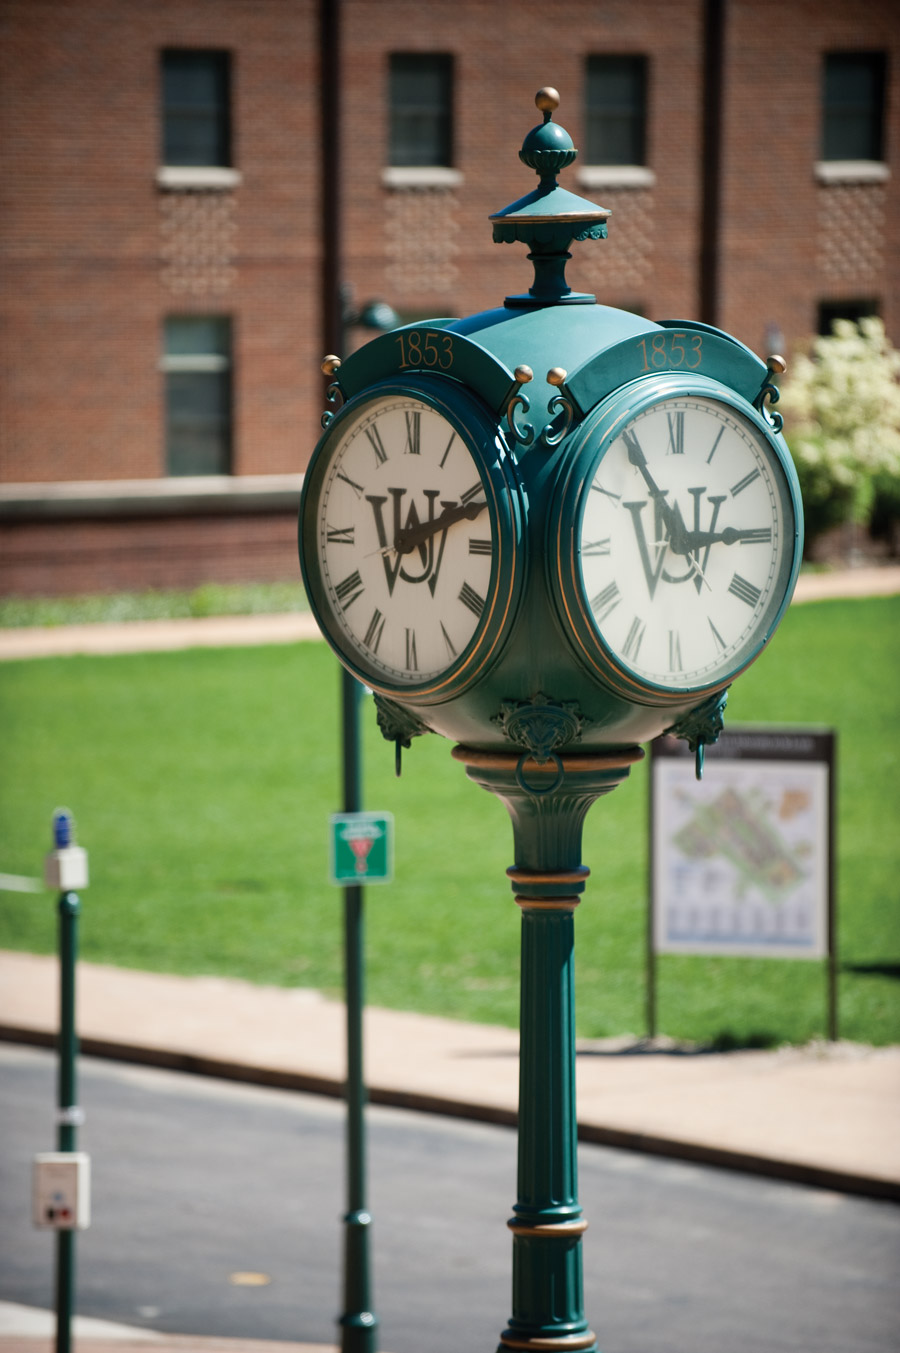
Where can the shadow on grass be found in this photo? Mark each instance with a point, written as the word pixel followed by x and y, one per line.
pixel 873 969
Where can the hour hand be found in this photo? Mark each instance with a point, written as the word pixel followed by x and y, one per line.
pixel 405 541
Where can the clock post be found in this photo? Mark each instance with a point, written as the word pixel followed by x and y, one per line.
pixel 550 580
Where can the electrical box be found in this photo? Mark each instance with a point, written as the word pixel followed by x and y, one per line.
pixel 61 1190
pixel 66 869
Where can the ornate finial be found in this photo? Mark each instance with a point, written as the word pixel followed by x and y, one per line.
pixel 331 365
pixel 549 218
pixel 546 100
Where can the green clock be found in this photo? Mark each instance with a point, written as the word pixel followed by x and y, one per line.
pixel 409 537
pixel 676 539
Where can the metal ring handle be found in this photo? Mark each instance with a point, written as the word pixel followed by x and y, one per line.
pixel 554 783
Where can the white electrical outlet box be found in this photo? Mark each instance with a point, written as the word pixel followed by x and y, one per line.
pixel 61 1190
pixel 66 869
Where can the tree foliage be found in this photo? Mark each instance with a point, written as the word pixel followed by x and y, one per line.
pixel 841 407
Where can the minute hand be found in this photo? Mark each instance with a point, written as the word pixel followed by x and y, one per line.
pixel 405 541
pixel 671 518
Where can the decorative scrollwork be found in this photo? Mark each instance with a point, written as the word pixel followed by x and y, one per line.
pixel 701 727
pixel 541 724
pixel 769 391
pixel 399 726
pixel 335 396
pixel 522 433
pixel 562 410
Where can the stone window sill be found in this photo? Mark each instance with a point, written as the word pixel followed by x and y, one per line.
pixel 615 176
pixel 421 176
pixel 197 495
pixel 194 178
pixel 852 171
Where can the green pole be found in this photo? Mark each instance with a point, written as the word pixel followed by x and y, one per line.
pixel 68 1113
pixel 547 802
pixel 358 1322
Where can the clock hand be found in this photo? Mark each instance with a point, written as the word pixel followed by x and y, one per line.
pixel 732 535
pixel 671 518
pixel 406 541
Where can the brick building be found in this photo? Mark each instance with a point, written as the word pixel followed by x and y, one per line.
pixel 161 180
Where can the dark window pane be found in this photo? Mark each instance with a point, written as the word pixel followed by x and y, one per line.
pixel 616 110
pixel 198 336
pixel 198 418
pixel 195 87
pixel 197 364
pixel 853 106
pixel 421 98
pixel 854 310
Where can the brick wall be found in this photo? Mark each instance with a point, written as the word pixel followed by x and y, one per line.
pixel 95 255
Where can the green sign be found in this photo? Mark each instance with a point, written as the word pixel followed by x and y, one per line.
pixel 362 848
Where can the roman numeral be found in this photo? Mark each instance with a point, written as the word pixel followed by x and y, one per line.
pixel 351 588
pixel 674 651
pixel 412 661
pixel 374 437
pixel 413 424
pixel 357 488
pixel 469 597
pixel 471 493
pixel 743 483
pixel 720 642
pixel 340 535
pixel 448 641
pixel 479 546
pixel 739 587
pixel 633 638
pixel 720 435
pixel 606 601
pixel 676 434
pixel 595 547
pixel 447 452
pixel 372 636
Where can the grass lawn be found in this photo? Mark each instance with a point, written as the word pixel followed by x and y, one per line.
pixel 202 784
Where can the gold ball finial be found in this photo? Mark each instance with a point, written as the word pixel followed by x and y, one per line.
pixel 330 365
pixel 556 375
pixel 776 363
pixel 547 100
pixel 523 374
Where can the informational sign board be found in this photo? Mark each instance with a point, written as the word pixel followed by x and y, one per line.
pixel 741 861
pixel 362 848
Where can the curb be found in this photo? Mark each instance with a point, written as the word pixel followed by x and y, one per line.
pixel 698 1153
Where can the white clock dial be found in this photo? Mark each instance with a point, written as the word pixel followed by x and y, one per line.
pixel 405 540
pixel 685 538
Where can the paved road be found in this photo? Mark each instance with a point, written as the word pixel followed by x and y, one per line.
pixel 196 1180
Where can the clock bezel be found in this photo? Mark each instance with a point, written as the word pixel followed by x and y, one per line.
pixel 587 449
pixel 477 427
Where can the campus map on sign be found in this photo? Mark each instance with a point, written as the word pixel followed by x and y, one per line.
pixel 740 859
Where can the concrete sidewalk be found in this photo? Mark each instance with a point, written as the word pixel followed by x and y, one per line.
pixel 146 636
pixel 822 1114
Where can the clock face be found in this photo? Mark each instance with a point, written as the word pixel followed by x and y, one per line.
pixel 685 543
pixel 404 541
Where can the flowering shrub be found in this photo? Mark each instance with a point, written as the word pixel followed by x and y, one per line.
pixel 841 408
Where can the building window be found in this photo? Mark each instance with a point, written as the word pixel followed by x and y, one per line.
pixel 421 107
pixel 196 121
pixel 854 310
pixel 197 366
pixel 616 110
pixel 853 106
